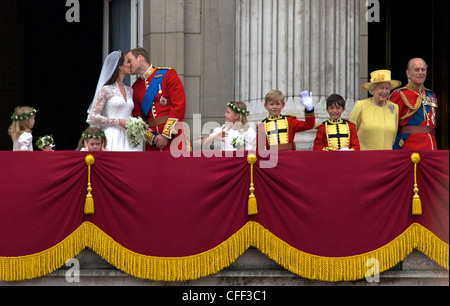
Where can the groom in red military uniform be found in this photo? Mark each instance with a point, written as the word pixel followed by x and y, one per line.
pixel 158 98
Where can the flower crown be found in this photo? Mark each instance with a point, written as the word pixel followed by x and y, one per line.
pixel 99 135
pixel 15 117
pixel 238 109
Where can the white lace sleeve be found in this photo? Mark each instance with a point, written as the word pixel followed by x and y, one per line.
pixel 96 117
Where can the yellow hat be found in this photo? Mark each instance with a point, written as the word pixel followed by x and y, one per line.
pixel 382 76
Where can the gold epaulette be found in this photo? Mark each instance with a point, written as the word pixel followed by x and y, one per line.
pixel 408 86
pixel 318 125
pixel 399 89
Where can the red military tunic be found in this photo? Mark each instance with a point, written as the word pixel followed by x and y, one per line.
pixel 417 122
pixel 334 135
pixel 280 131
pixel 169 105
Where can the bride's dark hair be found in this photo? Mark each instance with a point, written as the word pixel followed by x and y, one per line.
pixel 116 72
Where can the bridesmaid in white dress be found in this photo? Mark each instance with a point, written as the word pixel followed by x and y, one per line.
pixel 237 133
pixel 113 103
pixel 23 121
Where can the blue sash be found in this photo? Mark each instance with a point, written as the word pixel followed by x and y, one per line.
pixel 150 94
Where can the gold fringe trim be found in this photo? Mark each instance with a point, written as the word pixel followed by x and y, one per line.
pixel 174 269
pixel 170 269
pixel 45 262
pixel 336 269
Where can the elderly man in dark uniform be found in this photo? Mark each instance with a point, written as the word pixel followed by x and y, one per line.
pixel 417 110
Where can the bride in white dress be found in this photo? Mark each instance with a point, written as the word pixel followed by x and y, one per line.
pixel 113 103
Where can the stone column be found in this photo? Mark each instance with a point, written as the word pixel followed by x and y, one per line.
pixel 295 45
pixel 164 33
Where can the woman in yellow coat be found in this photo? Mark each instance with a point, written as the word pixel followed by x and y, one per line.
pixel 376 118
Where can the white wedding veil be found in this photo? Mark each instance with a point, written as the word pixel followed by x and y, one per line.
pixel 108 69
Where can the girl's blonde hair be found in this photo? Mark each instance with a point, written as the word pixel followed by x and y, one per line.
pixel 241 109
pixel 21 121
pixel 92 133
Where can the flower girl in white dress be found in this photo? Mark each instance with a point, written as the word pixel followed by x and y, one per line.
pixel 236 134
pixel 20 130
pixel 113 103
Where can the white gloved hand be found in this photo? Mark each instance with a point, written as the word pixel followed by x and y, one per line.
pixel 307 100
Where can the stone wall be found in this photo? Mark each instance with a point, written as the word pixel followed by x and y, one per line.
pixel 252 268
pixel 240 49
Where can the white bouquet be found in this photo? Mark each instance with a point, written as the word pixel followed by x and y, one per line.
pixel 238 143
pixel 136 131
pixel 45 141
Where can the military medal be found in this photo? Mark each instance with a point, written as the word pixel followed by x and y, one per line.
pixel 433 115
pixel 163 101
pixel 160 90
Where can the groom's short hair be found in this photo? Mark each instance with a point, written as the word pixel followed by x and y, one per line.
pixel 141 51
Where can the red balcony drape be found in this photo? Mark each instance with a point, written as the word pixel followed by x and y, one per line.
pixel 320 215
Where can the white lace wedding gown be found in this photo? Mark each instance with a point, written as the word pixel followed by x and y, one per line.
pixel 109 107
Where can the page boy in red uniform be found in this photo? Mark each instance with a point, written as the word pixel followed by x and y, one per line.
pixel 336 134
pixel 280 130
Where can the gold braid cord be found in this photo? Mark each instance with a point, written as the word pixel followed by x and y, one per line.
pixel 252 204
pixel 416 202
pixel 89 203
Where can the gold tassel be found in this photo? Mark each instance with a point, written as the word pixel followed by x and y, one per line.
pixel 89 203
pixel 416 205
pixel 416 202
pixel 252 205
